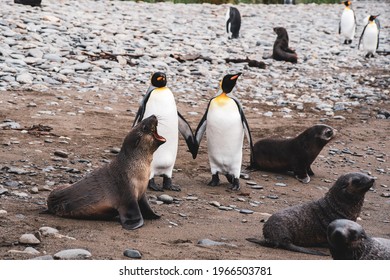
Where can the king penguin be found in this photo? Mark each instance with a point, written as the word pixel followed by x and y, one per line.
pixel 370 36
pixel 224 123
pixel 159 101
pixel 347 26
pixel 233 22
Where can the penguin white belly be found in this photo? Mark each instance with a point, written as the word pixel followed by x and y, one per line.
pixel 162 104
pixel 347 24
pixel 225 135
pixel 370 38
pixel 228 25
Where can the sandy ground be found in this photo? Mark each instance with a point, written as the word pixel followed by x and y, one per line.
pixel 86 130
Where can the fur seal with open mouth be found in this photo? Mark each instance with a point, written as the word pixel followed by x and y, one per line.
pixel 348 241
pixel 295 154
pixel 116 188
pixel 305 225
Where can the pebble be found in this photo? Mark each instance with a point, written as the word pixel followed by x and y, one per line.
pixel 225 208
pixel 29 238
pixel 165 198
pixel 45 257
pixel 61 154
pixel 215 203
pixel 272 196
pixel 3 212
pixel 385 194
pixel 256 187
pixel 133 254
pixel 46 231
pixel 246 211
pixel 251 183
pixel 280 184
pixel 73 254
pixel 3 191
pixel 209 242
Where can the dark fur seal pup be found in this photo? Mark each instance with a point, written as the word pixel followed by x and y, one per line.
pixel 116 188
pixel 281 51
pixel 29 2
pixel 348 241
pixel 295 154
pixel 306 224
pixel 233 22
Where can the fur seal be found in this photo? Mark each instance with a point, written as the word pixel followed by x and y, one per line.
pixel 281 51
pixel 348 241
pixel 295 154
pixel 306 224
pixel 116 188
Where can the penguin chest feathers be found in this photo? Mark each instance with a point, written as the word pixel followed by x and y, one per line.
pixel 348 23
pixel 370 37
pixel 223 112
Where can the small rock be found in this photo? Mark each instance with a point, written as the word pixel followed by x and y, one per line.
pixel 29 238
pixel 251 183
pixel 246 211
pixel 31 250
pixel 225 208
pixel 281 185
pixel 215 203
pixel 46 231
pixel 272 196
pixel 244 176
pixel 34 190
pixel 191 198
pixel 115 150
pixel 133 254
pixel 45 257
pixel 61 154
pixel 165 198
pixel 3 212
pixel 209 242
pixel 73 254
pixel 385 194
pixel 257 187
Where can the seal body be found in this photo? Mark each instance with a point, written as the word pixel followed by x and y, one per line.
pixel 348 241
pixel 295 154
pixel 225 124
pixel 305 225
pixel 281 50
pixel 347 26
pixel 370 36
pixel 159 101
pixel 233 22
pixel 117 188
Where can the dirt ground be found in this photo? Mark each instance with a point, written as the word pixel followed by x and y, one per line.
pixel 87 131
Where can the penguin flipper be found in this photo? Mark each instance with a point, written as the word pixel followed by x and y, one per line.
pixel 200 130
pixel 142 107
pixel 186 131
pixel 340 27
pixel 361 36
pixel 246 128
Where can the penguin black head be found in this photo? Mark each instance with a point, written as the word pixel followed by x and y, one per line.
pixel 228 82
pixel 347 3
pixel 159 79
pixel 372 18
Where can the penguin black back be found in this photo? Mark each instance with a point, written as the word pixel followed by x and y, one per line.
pixel 233 22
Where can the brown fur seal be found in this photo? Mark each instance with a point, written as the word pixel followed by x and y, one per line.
pixel 348 241
pixel 306 224
pixel 116 188
pixel 281 51
pixel 295 154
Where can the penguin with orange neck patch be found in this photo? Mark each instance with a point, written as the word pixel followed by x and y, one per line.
pixel 347 26
pixel 370 36
pixel 225 124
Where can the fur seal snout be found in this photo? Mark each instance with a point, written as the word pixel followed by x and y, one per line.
pixel 295 154
pixel 348 241
pixel 306 224
pixel 116 188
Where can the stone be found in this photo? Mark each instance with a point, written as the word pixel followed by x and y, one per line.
pixel 209 242
pixel 73 254
pixel 215 203
pixel 45 257
pixel 246 211
pixel 25 78
pixel 133 254
pixel 29 238
pixel 165 198
pixel 47 231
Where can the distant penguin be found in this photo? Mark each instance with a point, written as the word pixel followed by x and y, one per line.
pixel 347 26
pixel 370 36
pixel 233 22
pixel 160 101
pixel 225 124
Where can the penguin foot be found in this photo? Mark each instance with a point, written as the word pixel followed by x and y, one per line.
pixel 235 185
pixel 153 186
pixel 214 180
pixel 167 185
pixel 229 178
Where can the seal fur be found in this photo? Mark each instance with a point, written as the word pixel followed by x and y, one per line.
pixel 116 188
pixel 305 225
pixel 281 50
pixel 348 241
pixel 295 154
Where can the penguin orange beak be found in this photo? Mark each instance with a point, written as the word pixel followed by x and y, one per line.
pixel 235 76
pixel 160 78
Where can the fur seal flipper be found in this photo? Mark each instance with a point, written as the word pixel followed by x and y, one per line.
pixel 116 188
pixel 305 225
